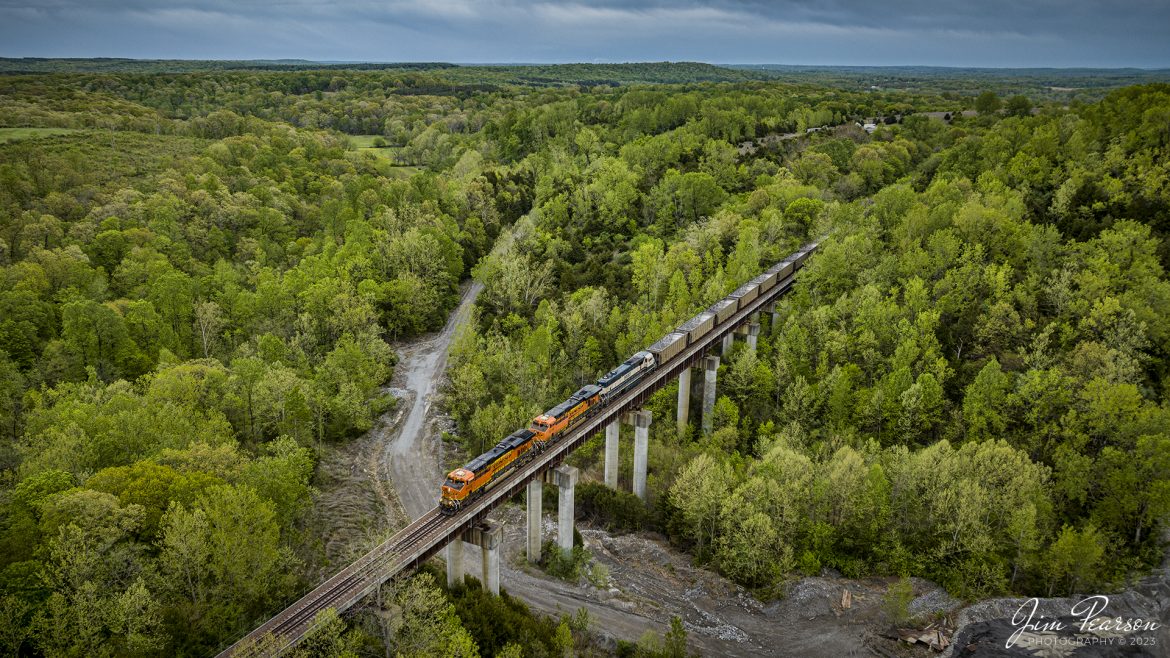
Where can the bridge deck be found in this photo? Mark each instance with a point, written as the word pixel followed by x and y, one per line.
pixel 420 540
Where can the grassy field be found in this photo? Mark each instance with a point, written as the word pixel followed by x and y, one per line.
pixel 18 134
pixel 365 144
pixel 365 141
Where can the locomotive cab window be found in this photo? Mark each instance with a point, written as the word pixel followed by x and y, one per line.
pixel 453 484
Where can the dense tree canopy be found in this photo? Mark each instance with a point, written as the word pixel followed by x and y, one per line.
pixel 200 285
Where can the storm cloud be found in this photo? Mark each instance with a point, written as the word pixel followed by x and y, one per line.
pixel 873 32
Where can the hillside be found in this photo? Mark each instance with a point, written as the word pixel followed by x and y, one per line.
pixel 524 74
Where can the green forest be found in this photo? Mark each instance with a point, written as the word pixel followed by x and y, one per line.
pixel 202 275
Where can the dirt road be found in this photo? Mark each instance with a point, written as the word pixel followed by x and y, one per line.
pixel 371 487
pixel 410 452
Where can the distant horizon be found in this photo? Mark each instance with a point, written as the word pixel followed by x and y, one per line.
pixel 945 33
pixel 389 62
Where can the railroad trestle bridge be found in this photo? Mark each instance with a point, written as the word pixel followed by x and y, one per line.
pixel 430 533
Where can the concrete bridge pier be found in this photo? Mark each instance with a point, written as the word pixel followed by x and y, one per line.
pixel 455 562
pixel 490 543
pixel 566 481
pixel 711 371
pixel 612 446
pixel 728 341
pixel 775 320
pixel 487 536
pixel 535 503
pixel 641 449
pixel 684 399
pixel 753 335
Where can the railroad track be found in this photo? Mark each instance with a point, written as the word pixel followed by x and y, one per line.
pixel 340 591
pixel 424 537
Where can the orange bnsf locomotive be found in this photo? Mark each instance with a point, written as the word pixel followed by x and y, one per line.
pixel 471 481
pixel 477 476
pixel 521 447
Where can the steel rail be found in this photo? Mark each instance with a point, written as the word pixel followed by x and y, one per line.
pixel 421 539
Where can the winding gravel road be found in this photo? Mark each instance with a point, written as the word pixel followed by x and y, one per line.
pixel 411 453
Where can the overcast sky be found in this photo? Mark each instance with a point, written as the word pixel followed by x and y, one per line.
pixel 864 32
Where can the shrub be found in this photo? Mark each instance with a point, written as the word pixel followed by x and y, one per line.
pixel 896 603
pixel 616 511
pixel 566 567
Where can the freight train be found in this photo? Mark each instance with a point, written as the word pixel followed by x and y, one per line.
pixel 475 478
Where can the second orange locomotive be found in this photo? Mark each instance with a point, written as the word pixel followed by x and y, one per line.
pixel 471 481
